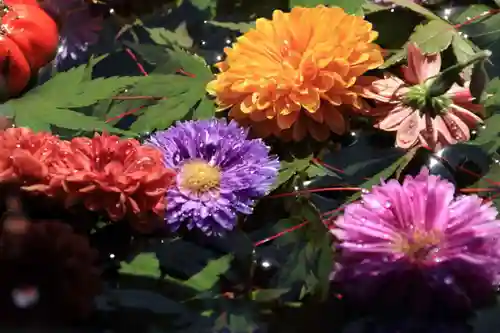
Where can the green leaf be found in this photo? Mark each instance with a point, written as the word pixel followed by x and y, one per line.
pixel 94 60
pixel 184 95
pixel 49 104
pixel 268 295
pixel 388 37
pixel 382 175
pixel 462 48
pixel 192 64
pixel 416 8
pixel 489 135
pixel 6 110
pixel 370 7
pixel 433 37
pixel 144 264
pixel 315 170
pixel 39 115
pixel 290 168
pixel 489 180
pixel 235 26
pixel 90 92
pixel 205 110
pixel 479 80
pixel 180 36
pixel 207 278
pixel 394 59
pixel 73 88
pixel 204 4
pixel 310 261
pixel 471 11
pixel 350 6
pixel 162 115
pixel 25 118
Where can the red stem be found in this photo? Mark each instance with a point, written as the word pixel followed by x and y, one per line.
pixel 477 17
pixel 314 190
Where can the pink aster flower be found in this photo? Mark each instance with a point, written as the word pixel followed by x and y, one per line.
pixel 402 107
pixel 423 241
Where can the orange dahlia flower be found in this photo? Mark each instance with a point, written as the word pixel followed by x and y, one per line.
pixel 115 175
pixel 25 156
pixel 296 74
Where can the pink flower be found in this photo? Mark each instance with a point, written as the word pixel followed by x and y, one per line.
pixel 401 105
pixel 419 237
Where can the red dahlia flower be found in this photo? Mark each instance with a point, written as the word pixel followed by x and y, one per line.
pixel 112 174
pixel 25 155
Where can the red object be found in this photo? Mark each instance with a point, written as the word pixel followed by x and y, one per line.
pixel 15 71
pixel 29 40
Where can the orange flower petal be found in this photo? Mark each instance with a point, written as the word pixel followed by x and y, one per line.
pixel 295 61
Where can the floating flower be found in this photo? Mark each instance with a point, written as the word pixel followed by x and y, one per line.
pixel 294 75
pixel 403 107
pixel 25 156
pixel 49 273
pixel 421 240
pixel 78 28
pixel 220 173
pixel 116 175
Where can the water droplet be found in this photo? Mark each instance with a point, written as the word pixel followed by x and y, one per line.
pixel 387 204
pixel 25 297
pixel 365 191
pixel 448 280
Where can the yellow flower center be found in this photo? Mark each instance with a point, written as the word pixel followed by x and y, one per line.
pixel 419 244
pixel 200 177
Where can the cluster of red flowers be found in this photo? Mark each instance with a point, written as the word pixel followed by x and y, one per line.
pixel 105 173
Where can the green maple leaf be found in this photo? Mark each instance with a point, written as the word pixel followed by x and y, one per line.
pixel 183 97
pixel 51 104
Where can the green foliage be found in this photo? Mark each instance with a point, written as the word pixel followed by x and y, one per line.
pixel 416 8
pixel 236 26
pixel 209 276
pixel 350 6
pixel 433 37
pixel 203 4
pixel 143 264
pixel 291 168
pixel 180 36
pixel 436 35
pixel 168 97
pixel 311 257
pixel 390 38
pixel 267 295
pixel 489 135
pixel 54 103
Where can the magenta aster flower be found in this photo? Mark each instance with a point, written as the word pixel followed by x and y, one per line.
pixel 220 173
pixel 77 27
pixel 420 232
pixel 402 106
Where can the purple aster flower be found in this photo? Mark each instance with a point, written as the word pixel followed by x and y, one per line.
pixel 423 242
pixel 77 27
pixel 220 173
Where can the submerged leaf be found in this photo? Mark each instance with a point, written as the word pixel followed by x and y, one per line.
pixel 144 264
pixel 210 275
